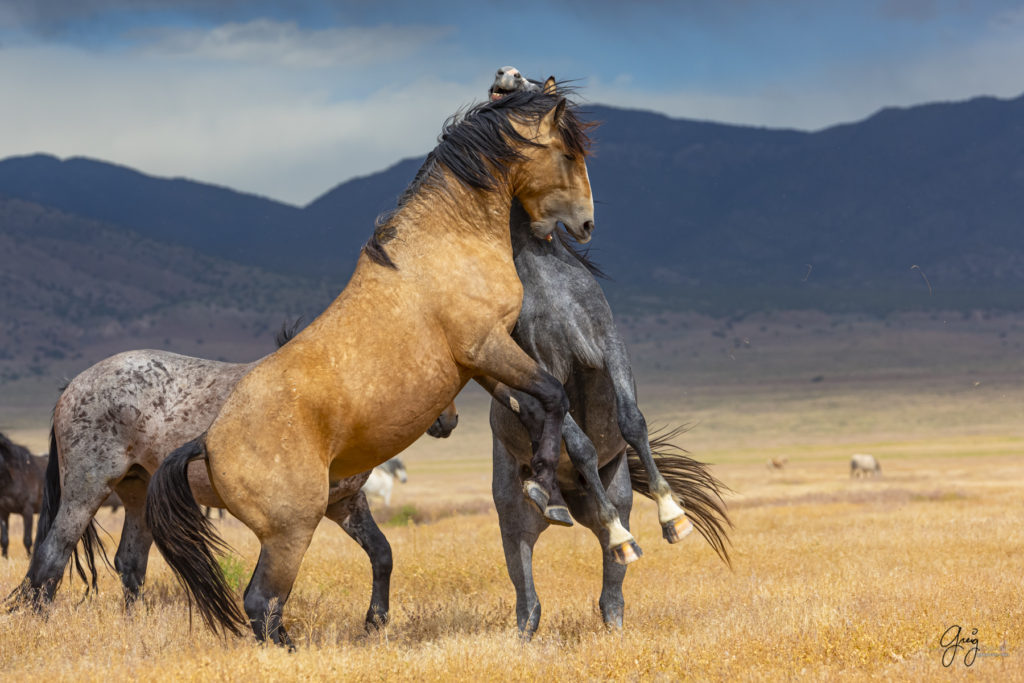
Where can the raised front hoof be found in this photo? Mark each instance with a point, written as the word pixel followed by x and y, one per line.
pixel 677 529
pixel 536 494
pixel 627 552
pixel 558 514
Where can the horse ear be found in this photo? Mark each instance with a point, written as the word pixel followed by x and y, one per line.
pixel 549 86
pixel 557 112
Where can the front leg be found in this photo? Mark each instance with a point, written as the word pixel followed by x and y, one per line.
pixel 547 497
pixel 674 524
pixel 498 360
pixel 618 543
pixel 4 540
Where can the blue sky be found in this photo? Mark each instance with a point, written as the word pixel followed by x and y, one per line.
pixel 287 99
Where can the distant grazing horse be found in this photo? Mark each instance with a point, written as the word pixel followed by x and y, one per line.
pixel 777 463
pixel 430 306
pixel 21 490
pixel 863 465
pixel 113 425
pixel 382 479
pixel 566 325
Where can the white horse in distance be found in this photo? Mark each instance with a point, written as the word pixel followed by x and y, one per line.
pixel 863 465
pixel 382 479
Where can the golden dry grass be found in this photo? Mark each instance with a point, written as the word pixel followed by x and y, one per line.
pixel 833 579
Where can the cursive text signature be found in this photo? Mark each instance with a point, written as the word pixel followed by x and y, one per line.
pixel 953 642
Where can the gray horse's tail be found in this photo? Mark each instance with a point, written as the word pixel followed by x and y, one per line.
pixel 699 491
pixel 188 540
pixel 91 541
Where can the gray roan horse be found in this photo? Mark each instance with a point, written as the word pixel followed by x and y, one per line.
pixel 21 489
pixel 115 423
pixel 566 325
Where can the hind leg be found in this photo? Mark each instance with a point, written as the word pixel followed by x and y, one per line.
pixel 46 566
pixel 520 524
pixel 584 507
pixel 353 515
pixel 133 550
pixel 272 581
pixel 616 537
pixel 674 524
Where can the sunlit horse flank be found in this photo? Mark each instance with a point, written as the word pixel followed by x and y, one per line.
pixel 112 427
pixel 21 490
pixel 429 307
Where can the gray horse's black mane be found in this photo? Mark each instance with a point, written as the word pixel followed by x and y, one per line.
pixel 476 146
pixel 582 255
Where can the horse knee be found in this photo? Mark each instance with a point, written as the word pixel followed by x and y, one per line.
pixel 551 394
pixel 632 423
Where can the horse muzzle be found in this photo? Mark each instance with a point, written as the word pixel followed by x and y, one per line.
pixel 581 233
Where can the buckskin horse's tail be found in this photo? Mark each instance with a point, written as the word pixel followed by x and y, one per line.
pixel 91 541
pixel 188 540
pixel 699 491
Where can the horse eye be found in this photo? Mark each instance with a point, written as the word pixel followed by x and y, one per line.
pixel 569 157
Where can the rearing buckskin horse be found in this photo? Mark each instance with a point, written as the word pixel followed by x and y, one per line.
pixel 430 306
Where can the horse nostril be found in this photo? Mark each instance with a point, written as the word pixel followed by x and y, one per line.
pixel 588 226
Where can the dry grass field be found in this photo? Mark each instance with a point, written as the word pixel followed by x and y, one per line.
pixel 832 578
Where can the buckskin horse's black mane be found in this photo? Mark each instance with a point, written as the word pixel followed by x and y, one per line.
pixel 477 144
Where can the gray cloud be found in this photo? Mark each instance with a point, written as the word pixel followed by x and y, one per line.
pixel 263 41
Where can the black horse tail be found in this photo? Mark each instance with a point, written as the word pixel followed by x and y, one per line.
pixel 188 540
pixel 91 541
pixel 699 491
pixel 51 492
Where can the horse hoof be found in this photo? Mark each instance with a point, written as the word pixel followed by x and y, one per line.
pixel 558 514
pixel 627 552
pixel 536 494
pixel 677 529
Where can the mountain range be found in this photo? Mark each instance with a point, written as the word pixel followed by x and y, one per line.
pixel 915 207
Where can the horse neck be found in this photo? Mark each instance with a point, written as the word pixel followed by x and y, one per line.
pixel 451 209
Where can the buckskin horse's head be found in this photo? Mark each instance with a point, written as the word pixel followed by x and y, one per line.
pixel 554 184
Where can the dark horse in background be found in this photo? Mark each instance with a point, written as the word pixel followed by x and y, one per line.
pixel 566 325
pixel 21 489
